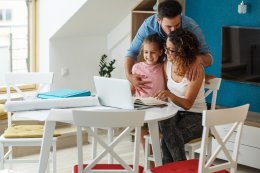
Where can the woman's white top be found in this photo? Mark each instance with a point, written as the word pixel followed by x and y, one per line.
pixel 179 89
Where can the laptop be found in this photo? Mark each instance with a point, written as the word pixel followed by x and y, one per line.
pixel 116 93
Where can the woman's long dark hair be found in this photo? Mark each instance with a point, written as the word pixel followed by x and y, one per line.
pixel 186 48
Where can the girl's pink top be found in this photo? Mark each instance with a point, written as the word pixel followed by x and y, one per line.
pixel 153 74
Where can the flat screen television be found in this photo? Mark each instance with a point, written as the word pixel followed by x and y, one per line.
pixel 241 54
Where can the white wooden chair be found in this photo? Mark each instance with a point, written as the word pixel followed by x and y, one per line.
pixel 42 82
pixel 211 88
pixel 110 136
pixel 211 119
pixel 129 120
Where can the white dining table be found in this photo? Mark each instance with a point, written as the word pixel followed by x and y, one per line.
pixel 152 117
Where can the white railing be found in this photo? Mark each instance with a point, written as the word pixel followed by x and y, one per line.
pixel 14 52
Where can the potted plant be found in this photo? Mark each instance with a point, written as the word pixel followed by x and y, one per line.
pixel 106 67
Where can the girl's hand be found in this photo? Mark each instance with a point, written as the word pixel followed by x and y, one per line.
pixel 162 95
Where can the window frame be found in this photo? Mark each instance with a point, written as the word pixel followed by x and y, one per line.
pixel 33 44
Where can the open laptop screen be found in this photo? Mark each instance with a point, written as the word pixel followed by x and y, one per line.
pixel 114 92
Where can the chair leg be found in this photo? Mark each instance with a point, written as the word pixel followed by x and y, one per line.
pixel 209 148
pixel 80 150
pixel 10 157
pixel 110 135
pixel 191 153
pixel 94 145
pixel 54 156
pixel 146 153
pixel 2 156
pixel 48 167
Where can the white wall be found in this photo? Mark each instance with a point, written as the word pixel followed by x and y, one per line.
pixel 118 41
pixel 77 47
pixel 52 15
pixel 80 56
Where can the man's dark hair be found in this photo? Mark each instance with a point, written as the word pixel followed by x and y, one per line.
pixel 169 9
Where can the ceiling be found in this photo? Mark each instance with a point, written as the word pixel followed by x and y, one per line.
pixel 96 17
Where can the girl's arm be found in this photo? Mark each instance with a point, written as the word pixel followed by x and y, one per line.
pixel 190 95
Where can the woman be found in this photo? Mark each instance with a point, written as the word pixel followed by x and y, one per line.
pixel 187 96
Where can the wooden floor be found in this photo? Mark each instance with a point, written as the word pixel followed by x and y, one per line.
pixel 67 157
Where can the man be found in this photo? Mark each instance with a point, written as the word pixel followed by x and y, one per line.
pixel 166 20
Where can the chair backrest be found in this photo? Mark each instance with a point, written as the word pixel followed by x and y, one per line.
pixel 129 120
pixel 42 81
pixel 213 118
pixel 213 87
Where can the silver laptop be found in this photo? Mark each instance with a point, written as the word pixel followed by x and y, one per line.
pixel 116 93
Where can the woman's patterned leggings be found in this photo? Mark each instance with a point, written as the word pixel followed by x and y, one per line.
pixel 177 131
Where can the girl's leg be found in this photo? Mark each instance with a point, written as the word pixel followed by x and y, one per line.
pixel 145 131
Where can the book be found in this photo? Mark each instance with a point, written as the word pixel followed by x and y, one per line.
pixel 64 93
pixel 149 101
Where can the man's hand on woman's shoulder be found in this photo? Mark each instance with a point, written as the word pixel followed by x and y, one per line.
pixel 194 71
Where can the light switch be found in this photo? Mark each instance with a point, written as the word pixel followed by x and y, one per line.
pixel 64 71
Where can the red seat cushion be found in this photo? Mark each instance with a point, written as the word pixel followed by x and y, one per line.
pixel 107 166
pixel 186 166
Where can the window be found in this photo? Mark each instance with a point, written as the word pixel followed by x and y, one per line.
pixel 17 36
pixel 8 15
pixel 1 15
pixel 5 15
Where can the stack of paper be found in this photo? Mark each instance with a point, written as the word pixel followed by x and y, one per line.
pixel 149 101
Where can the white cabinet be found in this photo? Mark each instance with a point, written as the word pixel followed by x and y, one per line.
pixel 249 152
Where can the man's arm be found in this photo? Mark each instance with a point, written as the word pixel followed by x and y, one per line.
pixel 132 53
pixel 129 63
pixel 205 59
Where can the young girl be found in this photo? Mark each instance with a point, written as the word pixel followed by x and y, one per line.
pixel 151 68
pixel 187 96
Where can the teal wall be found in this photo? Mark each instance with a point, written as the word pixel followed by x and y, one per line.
pixel 211 15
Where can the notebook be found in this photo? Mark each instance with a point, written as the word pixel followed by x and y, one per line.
pixel 64 93
pixel 116 93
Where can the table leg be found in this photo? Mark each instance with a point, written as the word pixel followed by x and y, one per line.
pixel 154 134
pixel 46 145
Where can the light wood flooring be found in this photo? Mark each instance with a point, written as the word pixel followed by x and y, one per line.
pixel 66 158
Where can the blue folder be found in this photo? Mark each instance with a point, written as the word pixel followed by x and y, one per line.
pixel 64 93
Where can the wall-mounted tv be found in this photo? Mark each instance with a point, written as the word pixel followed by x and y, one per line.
pixel 241 54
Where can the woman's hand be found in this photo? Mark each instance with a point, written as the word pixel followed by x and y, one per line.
pixel 162 95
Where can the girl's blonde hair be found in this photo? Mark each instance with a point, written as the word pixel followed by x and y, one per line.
pixel 154 38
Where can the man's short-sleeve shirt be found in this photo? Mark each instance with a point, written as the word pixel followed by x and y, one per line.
pixel 151 26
